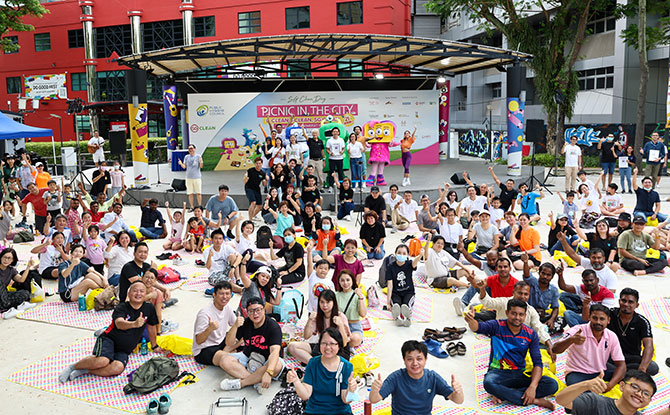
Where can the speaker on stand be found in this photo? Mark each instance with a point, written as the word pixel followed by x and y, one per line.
pixel 535 133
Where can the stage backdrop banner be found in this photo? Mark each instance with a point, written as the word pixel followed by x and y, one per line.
pixel 46 86
pixel 230 127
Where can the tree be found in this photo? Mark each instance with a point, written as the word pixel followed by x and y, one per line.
pixel 11 14
pixel 551 30
pixel 643 41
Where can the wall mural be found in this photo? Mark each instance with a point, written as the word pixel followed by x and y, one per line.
pixel 475 143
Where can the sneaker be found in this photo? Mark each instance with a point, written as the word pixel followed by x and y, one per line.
pixel 11 313
pixel 409 182
pixel 348 217
pixel 163 256
pixel 230 385
pixel 399 322
pixel 209 291
pixel 458 306
pixel 164 402
pixel 168 326
pixel 172 301
pixel 259 388
pixel 406 313
pixel 179 261
pixel 395 311
pixel 98 332
pixel 152 406
pixel 230 234
pixel 26 305
pixel 394 229
pixel 200 262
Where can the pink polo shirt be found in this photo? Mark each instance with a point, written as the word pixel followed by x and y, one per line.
pixel 592 356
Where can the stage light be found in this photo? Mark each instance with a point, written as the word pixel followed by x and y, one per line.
pixel 379 76
pixel 441 79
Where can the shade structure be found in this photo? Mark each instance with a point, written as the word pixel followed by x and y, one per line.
pixel 10 129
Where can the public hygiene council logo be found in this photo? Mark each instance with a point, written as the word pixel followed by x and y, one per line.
pixel 202 110
pixel 195 128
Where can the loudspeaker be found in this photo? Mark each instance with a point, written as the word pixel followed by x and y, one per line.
pixel 535 131
pixel 117 142
pixel 457 179
pixel 178 185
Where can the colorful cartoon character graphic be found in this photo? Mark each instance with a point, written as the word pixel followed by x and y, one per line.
pixel 380 136
pixel 326 131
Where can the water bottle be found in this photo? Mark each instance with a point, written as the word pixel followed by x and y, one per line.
pixel 82 302
pixel 144 348
pixel 367 407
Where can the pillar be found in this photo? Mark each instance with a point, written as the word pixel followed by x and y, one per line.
pixel 186 9
pixel 443 128
pixel 135 31
pixel 515 119
pixel 136 88
pixel 90 62
pixel 170 112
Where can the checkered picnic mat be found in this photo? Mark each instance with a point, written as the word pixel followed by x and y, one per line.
pixel 422 312
pixel 68 314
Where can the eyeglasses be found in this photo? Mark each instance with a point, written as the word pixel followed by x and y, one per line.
pixel 255 310
pixel 330 344
pixel 636 388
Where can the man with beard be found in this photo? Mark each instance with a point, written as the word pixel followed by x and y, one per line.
pixel 596 261
pixel 489 268
pixel 497 285
pixel 633 331
pixel 543 296
pixel 511 341
pixel 590 346
pixel 633 245
pixel 590 292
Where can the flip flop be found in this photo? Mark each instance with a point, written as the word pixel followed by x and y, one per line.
pixel 460 330
pixel 435 350
pixel 461 348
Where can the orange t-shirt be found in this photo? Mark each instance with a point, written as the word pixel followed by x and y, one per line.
pixel 41 180
pixel 529 239
pixel 321 235
pixel 406 143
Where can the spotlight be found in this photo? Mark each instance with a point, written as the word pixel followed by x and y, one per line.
pixel 441 79
pixel 379 76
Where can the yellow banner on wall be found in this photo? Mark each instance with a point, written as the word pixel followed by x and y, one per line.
pixel 139 143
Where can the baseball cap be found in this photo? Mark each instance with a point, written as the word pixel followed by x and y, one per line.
pixel 640 219
pixel 485 212
pixel 39 163
pixel 561 216
pixel 264 270
pixel 624 216
pixel 374 189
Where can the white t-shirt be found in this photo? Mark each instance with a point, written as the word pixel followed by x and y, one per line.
pixel 278 155
pixel 99 141
pixel 67 234
pixel 391 202
pixel 496 215
pixel 219 258
pixel 294 151
pixel 316 287
pixel 612 201
pixel 606 277
pixel 438 264
pixel 244 244
pixel 336 147
pixel 355 150
pixel 590 203
pixel 50 258
pixel 225 317
pixel 118 257
pixel 572 154
pixel 450 233
pixel 408 210
pixel 587 182
pixel 469 205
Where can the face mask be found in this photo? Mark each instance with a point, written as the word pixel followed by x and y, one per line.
pixel 117 167
pixel 288 239
pixel 648 189
pixel 326 227
pixel 401 258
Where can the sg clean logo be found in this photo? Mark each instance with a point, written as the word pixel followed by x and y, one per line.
pixel 202 110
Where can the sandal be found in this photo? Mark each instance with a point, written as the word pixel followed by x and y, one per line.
pixel 452 336
pixel 460 330
pixel 432 337
pixel 461 348
pixel 435 348
pixel 452 349
pixel 431 332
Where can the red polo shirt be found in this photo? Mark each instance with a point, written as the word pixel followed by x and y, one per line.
pixel 37 200
pixel 497 290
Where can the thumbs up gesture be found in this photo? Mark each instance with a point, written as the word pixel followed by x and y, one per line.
pixel 291 376
pixel 456 385
pixel 140 320
pixel 598 385
pixel 578 337
pixel 353 385
pixel 377 383
pixel 213 324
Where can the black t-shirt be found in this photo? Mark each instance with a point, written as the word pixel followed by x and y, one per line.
pixel 315 149
pixel 588 403
pixel 552 234
pixel 376 205
pixel 606 155
pixel 507 196
pixel 372 234
pixel 279 181
pixel 291 256
pixel 259 339
pixel 636 330
pixel 256 178
pixel 99 186
pixel 126 340
pixel 645 200
pixel 401 275
pixel 306 177
pixel 129 271
pixel 605 244
pixel 310 195
pixel 272 204
pixel 307 222
pixel 346 194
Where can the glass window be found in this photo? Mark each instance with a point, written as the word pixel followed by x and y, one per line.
pixel 496 90
pixel 14 42
pixel 42 42
pixel 204 26
pixel 78 81
pixel 598 78
pixel 297 18
pixel 349 69
pixel 590 82
pixel 350 12
pixel 110 39
pixel 14 85
pixel 111 85
pixel 75 38
pixel 609 82
pixel 83 123
pixel 249 22
pixel 298 68
pixel 163 34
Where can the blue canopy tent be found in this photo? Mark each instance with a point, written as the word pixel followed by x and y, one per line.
pixel 10 130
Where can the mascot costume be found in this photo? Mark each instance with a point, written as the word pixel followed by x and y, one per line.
pixel 380 136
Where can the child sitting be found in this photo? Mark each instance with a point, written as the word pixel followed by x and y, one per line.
pixel 400 288
pixel 95 247
pixel 222 261
pixel 328 236
pixel 6 216
pixel 318 278
pixel 174 242
pixel 570 208
pixel 76 277
pixel 52 198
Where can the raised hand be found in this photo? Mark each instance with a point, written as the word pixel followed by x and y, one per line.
pixel 469 316
pixel 353 385
pixel 377 383
pixel 597 384
pixel 524 256
pixel 271 244
pixel 312 316
pixel 213 325
pixel 167 204
pixel 456 385
pixel 337 321
pixel 291 376
pixel 239 321
pixel 140 320
pixel 359 293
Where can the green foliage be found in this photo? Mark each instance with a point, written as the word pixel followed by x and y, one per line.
pixel 11 14
pixel 656 35
pixel 547 160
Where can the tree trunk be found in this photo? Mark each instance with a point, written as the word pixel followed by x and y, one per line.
pixel 644 76
pixel 551 132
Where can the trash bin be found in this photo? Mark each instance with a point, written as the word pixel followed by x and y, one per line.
pixel 177 156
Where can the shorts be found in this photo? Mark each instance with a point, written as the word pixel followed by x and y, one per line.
pixel 356 327
pixel 608 168
pixel 46 274
pixel 104 347
pixel 175 240
pixel 244 360
pixel 98 157
pixel 206 355
pixel 193 186
pixel 66 296
pixel 254 196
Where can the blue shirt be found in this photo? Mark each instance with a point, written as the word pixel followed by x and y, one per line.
pixel 542 299
pixel 149 218
pixel 508 350
pixel 651 146
pixel 214 206
pixel 570 209
pixel 528 203
pixel 414 396
pixel 78 271
pixel 325 387
pixel 646 200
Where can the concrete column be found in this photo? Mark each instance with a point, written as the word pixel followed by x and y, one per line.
pixel 135 31
pixel 90 62
pixel 515 119
pixel 186 9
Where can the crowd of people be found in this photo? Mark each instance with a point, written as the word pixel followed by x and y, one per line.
pixel 485 244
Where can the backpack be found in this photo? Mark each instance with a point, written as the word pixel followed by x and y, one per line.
pixel 23 236
pixel 291 306
pixel 263 237
pixel 167 275
pixel 373 298
pixel 152 374
pixel 106 300
pixel 286 402
pixel 382 270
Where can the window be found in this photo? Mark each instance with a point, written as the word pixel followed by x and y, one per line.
pixel 78 81
pixel 111 85
pixel 600 78
pixel 349 69
pixel 75 38
pixel 110 39
pixel 496 90
pixel 248 22
pixel 42 42
pixel 298 68
pixel 204 26
pixel 462 104
pixel 83 123
pixel 14 85
pixel 605 24
pixel 297 18
pixel 350 12
pixel 164 34
pixel 14 44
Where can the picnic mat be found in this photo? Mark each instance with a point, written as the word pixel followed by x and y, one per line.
pixel 385 408
pixel 421 313
pixel 108 392
pixel 199 283
pixel 68 314
pixel 657 310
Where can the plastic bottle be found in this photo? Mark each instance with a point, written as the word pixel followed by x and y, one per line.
pixel 82 302
pixel 144 348
pixel 367 407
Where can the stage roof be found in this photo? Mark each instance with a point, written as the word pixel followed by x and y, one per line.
pixel 267 55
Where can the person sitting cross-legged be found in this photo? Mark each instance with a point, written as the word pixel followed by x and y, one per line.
pixel 590 292
pixel 413 388
pixel 111 350
pixel 511 341
pixel 151 214
pixel 633 245
pixel 211 325
pixel 590 346
pixel 260 338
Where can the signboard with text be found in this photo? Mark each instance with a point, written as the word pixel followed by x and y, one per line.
pixel 46 86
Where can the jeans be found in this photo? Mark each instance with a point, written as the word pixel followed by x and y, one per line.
pixel 576 377
pixel 114 279
pixel 269 218
pixel 356 166
pixel 372 254
pixel 660 216
pixel 571 301
pixel 625 174
pixel 559 247
pixel 510 385
pixel 344 209
pixel 573 318
pixel 153 232
pixel 471 292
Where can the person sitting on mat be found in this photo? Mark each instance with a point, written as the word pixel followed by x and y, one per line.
pixel 438 266
pixel 77 277
pixel 293 253
pixel 511 340
pixel 590 346
pixel 633 245
pixel 351 300
pixel 590 292
pixel 400 295
pixel 413 388
pixel 111 350
pixel 543 295
pixel 211 325
pixel 596 260
pixel 497 285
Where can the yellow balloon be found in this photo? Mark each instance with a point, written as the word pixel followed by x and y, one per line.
pixel 513 106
